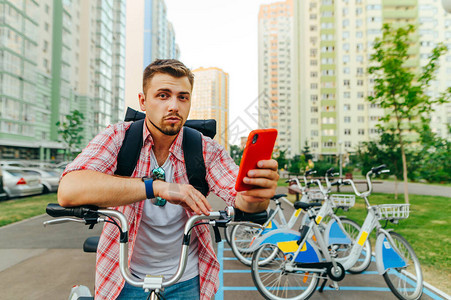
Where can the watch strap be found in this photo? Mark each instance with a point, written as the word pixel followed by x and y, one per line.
pixel 148 182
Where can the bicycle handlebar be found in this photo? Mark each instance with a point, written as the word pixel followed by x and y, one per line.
pixel 376 170
pixel 93 215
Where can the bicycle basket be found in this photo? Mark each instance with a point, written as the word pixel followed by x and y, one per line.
pixel 343 200
pixel 392 211
pixel 315 195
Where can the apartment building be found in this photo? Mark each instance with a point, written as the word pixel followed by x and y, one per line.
pixel 149 36
pixel 277 101
pixel 55 57
pixel 210 100
pixel 333 41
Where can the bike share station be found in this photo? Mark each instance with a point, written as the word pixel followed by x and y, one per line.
pixel 235 276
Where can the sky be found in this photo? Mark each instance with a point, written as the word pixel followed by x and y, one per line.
pixel 223 34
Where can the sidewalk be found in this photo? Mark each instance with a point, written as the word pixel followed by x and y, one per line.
pixel 388 187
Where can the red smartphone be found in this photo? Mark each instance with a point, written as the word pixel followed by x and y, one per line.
pixel 259 146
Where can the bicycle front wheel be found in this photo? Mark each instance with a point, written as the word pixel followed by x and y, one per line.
pixel 241 239
pixel 364 260
pixel 407 282
pixel 279 279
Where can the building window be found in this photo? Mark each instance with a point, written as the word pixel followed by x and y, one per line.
pixel 360 119
pixel 361 131
pixel 314 109
pixel 347 131
pixel 347 107
pixel 314 121
pixel 360 107
pixel 347 119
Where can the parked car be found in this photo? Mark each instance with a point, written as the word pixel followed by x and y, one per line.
pixel 17 183
pixel 3 195
pixel 49 178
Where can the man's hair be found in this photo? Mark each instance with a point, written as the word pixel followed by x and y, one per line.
pixel 171 67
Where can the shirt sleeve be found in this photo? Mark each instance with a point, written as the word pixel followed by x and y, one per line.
pixel 221 171
pixel 101 153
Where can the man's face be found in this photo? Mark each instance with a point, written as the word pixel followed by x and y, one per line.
pixel 167 102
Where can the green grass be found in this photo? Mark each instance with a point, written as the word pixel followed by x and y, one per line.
pixel 18 209
pixel 428 228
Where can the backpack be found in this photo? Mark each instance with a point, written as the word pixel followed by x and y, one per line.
pixel 191 145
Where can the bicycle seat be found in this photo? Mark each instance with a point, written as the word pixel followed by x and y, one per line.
pixel 305 206
pixel 277 196
pixel 90 244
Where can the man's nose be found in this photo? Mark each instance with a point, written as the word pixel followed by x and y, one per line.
pixel 173 104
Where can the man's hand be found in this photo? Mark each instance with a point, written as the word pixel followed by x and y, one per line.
pixel 182 194
pixel 265 179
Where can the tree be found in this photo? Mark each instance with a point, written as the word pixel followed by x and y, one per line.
pixel 70 131
pixel 386 151
pixel 236 153
pixel 401 90
pixel 306 151
pixel 280 157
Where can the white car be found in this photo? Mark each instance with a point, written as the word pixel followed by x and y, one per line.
pixel 49 178
pixel 18 184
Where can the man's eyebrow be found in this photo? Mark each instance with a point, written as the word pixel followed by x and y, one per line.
pixel 170 91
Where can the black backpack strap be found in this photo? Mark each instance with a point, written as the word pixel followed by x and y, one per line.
pixel 130 150
pixel 194 159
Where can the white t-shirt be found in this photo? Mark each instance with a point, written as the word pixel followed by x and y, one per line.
pixel 159 239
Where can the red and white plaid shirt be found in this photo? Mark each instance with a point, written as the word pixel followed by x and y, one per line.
pixel 101 154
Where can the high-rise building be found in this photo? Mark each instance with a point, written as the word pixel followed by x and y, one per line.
pixel 56 57
pixel 333 42
pixel 210 100
pixel 277 102
pixel 149 36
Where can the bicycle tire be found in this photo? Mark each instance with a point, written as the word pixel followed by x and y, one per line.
pixel 273 281
pixel 353 229
pixel 397 279
pixel 228 233
pixel 241 239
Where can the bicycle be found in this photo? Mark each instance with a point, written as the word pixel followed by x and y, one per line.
pixel 338 232
pixel 153 284
pixel 298 260
pixel 243 235
pixel 272 223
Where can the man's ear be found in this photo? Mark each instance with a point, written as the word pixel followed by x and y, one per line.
pixel 142 101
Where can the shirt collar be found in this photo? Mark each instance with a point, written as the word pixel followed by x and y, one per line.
pixel 176 147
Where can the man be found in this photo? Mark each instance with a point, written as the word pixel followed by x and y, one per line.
pixel 156 225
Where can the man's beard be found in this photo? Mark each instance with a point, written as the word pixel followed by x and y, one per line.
pixel 171 129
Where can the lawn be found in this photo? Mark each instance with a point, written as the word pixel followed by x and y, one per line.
pixel 18 209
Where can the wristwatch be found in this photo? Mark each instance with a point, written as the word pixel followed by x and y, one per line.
pixel 148 182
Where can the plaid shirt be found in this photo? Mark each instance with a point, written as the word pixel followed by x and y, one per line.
pixel 101 154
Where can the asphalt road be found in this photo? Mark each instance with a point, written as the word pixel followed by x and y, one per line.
pixel 44 263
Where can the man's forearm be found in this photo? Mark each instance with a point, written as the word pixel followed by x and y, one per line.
pixel 95 188
pixel 250 207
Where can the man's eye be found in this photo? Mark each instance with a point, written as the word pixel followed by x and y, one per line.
pixel 162 96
